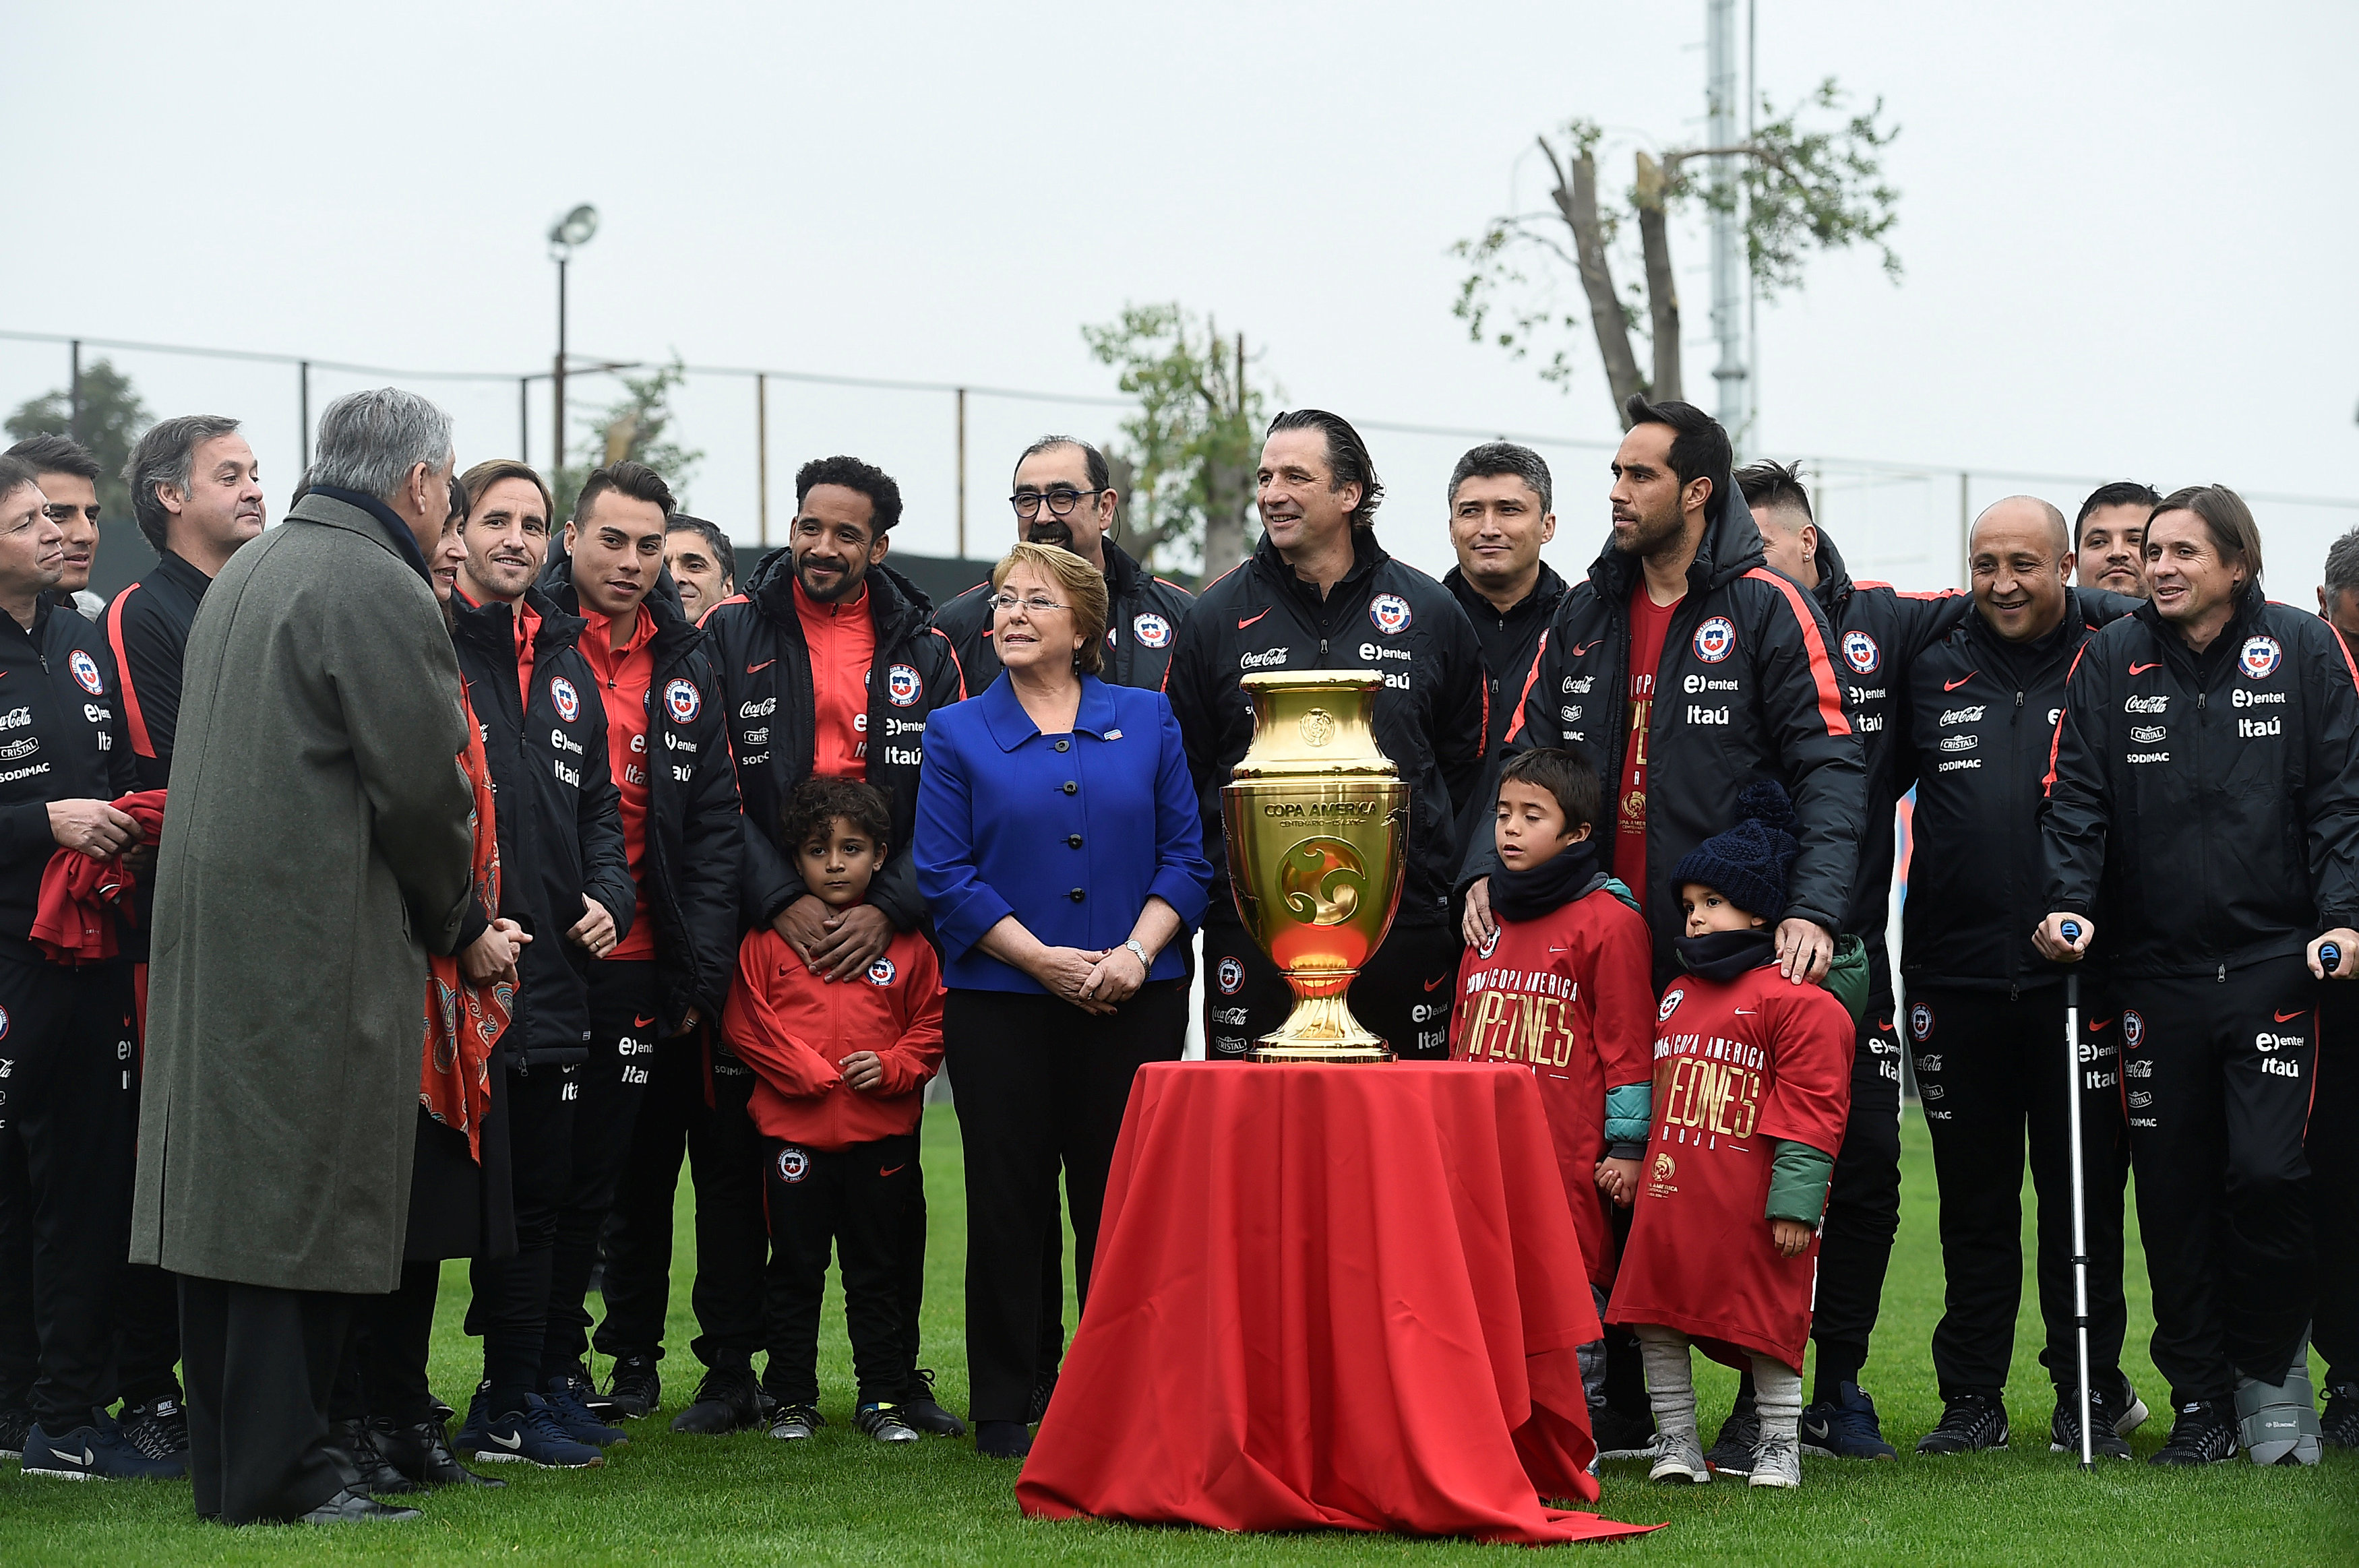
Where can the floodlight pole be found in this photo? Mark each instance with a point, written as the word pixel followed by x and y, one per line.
pixel 556 430
pixel 1720 103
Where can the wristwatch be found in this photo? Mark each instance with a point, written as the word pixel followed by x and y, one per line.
pixel 1145 964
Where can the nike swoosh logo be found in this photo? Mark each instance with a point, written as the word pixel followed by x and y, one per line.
pixel 638 1023
pixel 895 1170
pixel 2097 1023
pixel 1581 648
pixel 508 1442
pixel 1742 1011
pixel 1435 982
pixel 1954 684
pixel 758 669
pixel 1249 620
pixel 86 1459
pixel 2289 1017
pixel 2141 669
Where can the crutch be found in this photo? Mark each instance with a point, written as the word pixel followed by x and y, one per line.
pixel 2071 930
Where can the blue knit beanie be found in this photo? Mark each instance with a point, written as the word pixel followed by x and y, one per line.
pixel 1748 862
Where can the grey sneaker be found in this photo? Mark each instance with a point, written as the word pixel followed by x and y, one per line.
pixel 1778 1462
pixel 883 1423
pixel 795 1422
pixel 1679 1458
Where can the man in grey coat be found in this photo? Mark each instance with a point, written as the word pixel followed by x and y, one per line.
pixel 315 847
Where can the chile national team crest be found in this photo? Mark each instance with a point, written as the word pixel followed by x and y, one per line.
pixel 85 672
pixel 1231 977
pixel 1671 999
pixel 1921 1023
pixel 794 1165
pixel 568 700
pixel 1390 613
pixel 1716 640
pixel 2133 1028
pixel 2258 658
pixel 901 684
pixel 880 973
pixel 683 701
pixel 1860 651
pixel 1152 631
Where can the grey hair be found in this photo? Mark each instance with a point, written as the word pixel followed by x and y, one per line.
pixel 165 456
pixel 369 441
pixel 2343 563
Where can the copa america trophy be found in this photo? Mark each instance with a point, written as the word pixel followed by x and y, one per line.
pixel 1317 826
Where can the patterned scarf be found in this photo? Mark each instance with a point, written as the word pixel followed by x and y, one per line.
pixel 463 1021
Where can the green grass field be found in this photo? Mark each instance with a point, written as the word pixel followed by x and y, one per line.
pixel 746 1500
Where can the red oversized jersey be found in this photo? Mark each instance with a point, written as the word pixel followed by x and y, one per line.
pixel 1571 996
pixel 1736 1067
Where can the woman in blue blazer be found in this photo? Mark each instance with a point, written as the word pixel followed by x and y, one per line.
pixel 1059 847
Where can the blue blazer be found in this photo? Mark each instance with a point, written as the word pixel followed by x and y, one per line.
pixel 1071 834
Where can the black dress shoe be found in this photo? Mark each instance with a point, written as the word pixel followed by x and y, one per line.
pixel 727 1400
pixel 920 1411
pixel 421 1451
pixel 1002 1439
pixel 348 1507
pixel 370 1474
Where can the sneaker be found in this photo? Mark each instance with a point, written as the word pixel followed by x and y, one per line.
pixel 883 1423
pixel 373 1475
pixel 2129 1411
pixel 1042 1392
pixel 1681 1460
pixel 2339 1426
pixel 923 1412
pixel 1779 1462
pixel 1740 1434
pixel 2203 1433
pixel 1846 1428
pixel 727 1400
pixel 421 1451
pixel 565 1402
pixel 2064 1427
pixel 1970 1423
pixel 1621 1435
pixel 159 1428
pixel 795 1422
pixel 634 1390
pixel 16 1425
pixel 531 1436
pixel 93 1453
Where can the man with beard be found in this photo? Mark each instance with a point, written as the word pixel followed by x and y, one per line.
pixel 1321 594
pixel 1064 495
pixel 68 477
pixel 565 878
pixel 2203 825
pixel 1682 606
pixel 827 666
pixel 2112 537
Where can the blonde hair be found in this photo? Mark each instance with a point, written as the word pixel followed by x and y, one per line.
pixel 1083 587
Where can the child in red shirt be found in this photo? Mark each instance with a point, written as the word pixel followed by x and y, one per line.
pixel 842 1069
pixel 1752 1087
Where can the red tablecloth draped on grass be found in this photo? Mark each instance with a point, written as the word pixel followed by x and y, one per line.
pixel 1330 1297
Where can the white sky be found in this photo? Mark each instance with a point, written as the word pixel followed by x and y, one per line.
pixel 2127 230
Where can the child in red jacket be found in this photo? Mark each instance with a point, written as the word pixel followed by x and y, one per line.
pixel 1751 1091
pixel 841 1068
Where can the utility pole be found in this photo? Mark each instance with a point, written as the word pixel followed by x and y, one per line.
pixel 1727 288
pixel 523 420
pixel 762 453
pixel 566 235
pixel 303 409
pixel 962 474
pixel 74 392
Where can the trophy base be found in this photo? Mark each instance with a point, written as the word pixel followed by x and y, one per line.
pixel 1320 1031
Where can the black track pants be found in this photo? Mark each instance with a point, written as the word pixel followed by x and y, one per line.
pixel 510 1307
pixel 1402 994
pixel 1991 1073
pixel 1863 1208
pixel 2334 1181
pixel 614 1081
pixel 2218 1073
pixel 855 1202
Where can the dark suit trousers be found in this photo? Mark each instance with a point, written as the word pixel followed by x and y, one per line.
pixel 261 1366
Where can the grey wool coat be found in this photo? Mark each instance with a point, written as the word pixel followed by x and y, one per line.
pixel 315 845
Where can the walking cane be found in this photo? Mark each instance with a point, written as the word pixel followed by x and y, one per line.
pixel 2071 930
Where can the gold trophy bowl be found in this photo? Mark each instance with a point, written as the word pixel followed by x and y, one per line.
pixel 1316 828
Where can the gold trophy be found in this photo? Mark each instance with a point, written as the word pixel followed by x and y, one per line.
pixel 1317 824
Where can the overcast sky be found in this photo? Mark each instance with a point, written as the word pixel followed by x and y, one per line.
pixel 2127 230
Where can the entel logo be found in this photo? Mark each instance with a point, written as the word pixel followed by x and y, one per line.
pixel 2265 1041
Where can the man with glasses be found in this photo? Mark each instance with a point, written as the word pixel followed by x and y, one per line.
pixel 1064 495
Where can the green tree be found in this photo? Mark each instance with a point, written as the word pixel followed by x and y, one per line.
pixel 638 427
pixel 1190 449
pixel 112 420
pixel 1801 187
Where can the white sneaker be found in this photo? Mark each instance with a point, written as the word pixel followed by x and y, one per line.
pixel 1680 1459
pixel 1778 1462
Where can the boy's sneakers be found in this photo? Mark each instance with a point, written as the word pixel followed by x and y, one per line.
pixel 633 1390
pixel 93 1453
pixel 795 1422
pixel 17 1424
pixel 1621 1435
pixel 727 1400
pixel 1970 1423
pixel 1740 1434
pixel 2122 1401
pixel 2204 1433
pixel 2105 1440
pixel 2339 1426
pixel 1778 1462
pixel 529 1436
pixel 1845 1428
pixel 883 1423
pixel 159 1428
pixel 565 1396
pixel 1681 1460
pixel 922 1411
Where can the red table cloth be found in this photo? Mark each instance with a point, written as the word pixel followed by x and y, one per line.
pixel 1345 1297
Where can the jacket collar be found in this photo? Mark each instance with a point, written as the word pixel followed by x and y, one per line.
pixel 896 605
pixel 397 534
pixel 1834 579
pixel 1010 726
pixel 1541 602
pixel 1730 546
pixel 2250 602
pixel 492 624
pixel 1367 556
pixel 674 630
pixel 183 574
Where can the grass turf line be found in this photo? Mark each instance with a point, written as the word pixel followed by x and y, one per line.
pixel 840 1498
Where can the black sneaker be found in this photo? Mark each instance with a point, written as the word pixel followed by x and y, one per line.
pixel 159 1428
pixel 1621 1435
pixel 727 1400
pixel 564 1393
pixel 372 1474
pixel 2203 1433
pixel 2064 1427
pixel 1042 1392
pixel 16 1425
pixel 1740 1434
pixel 94 1453
pixel 2339 1426
pixel 1970 1423
pixel 922 1412
pixel 1847 1427
pixel 634 1391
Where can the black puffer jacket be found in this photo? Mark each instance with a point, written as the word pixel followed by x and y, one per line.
pixel 692 850
pixel 1143 617
pixel 1509 643
pixel 61 738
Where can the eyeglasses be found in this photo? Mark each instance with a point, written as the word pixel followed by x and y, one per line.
pixel 1001 603
pixel 1061 501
